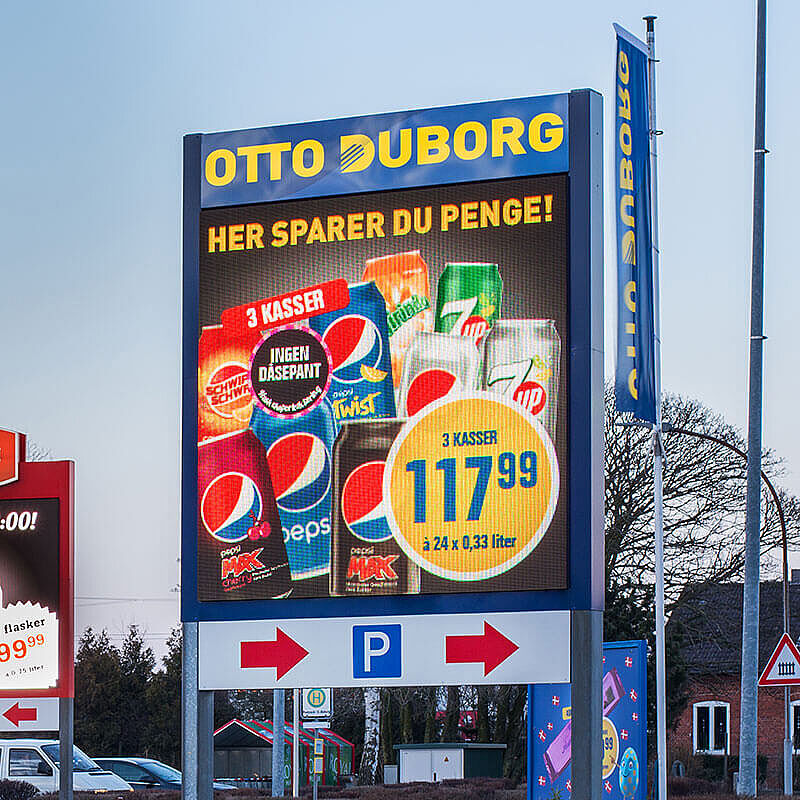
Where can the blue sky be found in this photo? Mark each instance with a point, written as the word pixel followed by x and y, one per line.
pixel 96 98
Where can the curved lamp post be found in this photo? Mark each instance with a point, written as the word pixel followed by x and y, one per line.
pixel 787 745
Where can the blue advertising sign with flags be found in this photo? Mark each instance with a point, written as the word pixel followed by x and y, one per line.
pixel 624 770
pixel 636 368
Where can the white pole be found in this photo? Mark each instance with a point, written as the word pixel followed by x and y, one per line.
pixel 296 743
pixel 658 452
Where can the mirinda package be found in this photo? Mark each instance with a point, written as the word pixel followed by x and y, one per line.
pixel 402 279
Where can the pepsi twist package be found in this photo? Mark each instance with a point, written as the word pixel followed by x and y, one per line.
pixel 357 338
pixel 299 456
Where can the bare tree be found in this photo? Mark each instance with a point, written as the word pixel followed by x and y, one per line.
pixel 36 452
pixel 704 502
pixel 368 769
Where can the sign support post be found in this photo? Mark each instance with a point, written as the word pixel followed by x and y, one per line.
pixel 278 724
pixel 587 714
pixel 65 741
pixel 189 704
pixel 295 743
pixel 205 745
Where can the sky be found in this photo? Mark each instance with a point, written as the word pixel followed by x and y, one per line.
pixel 97 98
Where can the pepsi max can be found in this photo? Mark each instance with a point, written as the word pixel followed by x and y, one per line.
pixel 241 554
pixel 298 452
pixel 435 365
pixel 357 338
pixel 365 558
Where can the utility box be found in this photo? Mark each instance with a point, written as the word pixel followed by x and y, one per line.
pixel 434 761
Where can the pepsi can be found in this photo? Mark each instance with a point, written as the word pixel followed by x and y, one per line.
pixel 436 364
pixel 365 558
pixel 298 452
pixel 241 554
pixel 357 338
pixel 522 363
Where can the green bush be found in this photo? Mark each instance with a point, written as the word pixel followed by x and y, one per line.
pixel 17 790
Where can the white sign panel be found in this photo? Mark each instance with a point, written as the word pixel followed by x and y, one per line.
pixel 317 703
pixel 20 714
pixel 448 649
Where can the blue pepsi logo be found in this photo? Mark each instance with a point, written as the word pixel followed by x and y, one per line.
pixel 300 468
pixel 230 506
pixel 362 503
pixel 353 341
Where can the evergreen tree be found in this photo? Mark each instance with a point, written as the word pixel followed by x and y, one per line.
pixel 98 692
pixel 163 701
pixel 137 663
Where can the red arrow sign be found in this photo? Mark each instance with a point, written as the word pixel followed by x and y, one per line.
pixel 491 648
pixel 283 654
pixel 15 714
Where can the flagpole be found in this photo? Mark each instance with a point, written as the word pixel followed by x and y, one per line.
pixel 658 450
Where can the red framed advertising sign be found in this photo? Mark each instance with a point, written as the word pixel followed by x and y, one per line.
pixel 36 581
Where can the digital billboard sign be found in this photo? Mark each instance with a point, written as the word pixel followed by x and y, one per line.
pixel 384 338
pixel 36 600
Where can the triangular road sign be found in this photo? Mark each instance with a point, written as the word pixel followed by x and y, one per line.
pixel 783 667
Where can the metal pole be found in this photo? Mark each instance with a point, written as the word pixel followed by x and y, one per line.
pixel 296 743
pixel 205 745
pixel 189 694
pixel 787 706
pixel 586 668
pixel 65 739
pixel 658 450
pixel 748 727
pixel 278 724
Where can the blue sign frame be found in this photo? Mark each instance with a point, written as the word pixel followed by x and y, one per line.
pixel 579 155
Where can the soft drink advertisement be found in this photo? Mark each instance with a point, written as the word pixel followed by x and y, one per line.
pixel 382 393
pixel 624 729
pixel 36 581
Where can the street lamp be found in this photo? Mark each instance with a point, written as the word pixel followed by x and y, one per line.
pixel 669 428
pixel 787 743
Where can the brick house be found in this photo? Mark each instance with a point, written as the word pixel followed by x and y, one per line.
pixel 706 736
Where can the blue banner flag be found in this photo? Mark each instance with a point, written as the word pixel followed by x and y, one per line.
pixel 636 370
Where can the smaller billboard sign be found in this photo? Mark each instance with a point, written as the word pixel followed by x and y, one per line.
pixel 624 770
pixel 36 582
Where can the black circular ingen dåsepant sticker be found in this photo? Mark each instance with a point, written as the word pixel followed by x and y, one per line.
pixel 290 371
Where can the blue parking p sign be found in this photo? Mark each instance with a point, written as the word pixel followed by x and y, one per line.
pixel 376 651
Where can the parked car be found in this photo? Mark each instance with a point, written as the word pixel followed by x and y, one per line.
pixel 36 761
pixel 147 773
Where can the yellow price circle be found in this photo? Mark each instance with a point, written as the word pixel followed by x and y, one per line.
pixel 472 484
pixel 610 747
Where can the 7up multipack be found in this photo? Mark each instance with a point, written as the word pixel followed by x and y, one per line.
pixel 473 348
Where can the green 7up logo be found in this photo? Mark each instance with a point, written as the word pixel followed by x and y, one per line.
pixel 466 324
pixel 510 380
